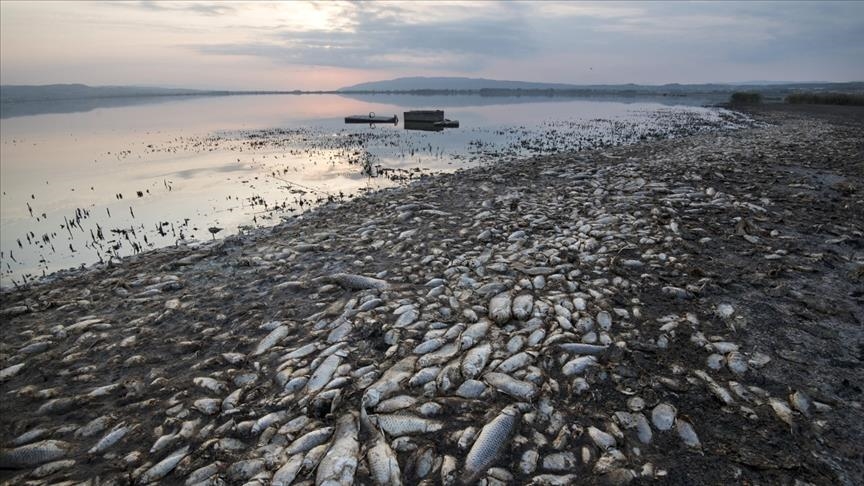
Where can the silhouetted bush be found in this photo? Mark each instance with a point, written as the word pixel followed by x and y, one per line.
pixel 826 99
pixel 745 98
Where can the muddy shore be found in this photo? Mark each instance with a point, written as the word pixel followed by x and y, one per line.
pixel 722 275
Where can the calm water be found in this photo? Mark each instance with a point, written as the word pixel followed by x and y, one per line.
pixel 84 186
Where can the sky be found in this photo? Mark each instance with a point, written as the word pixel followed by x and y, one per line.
pixel 328 45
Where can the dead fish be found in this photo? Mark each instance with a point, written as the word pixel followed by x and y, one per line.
pixel 268 420
pixel 382 462
pixel 93 427
pixel 309 440
pixel 441 355
pixel 500 308
pixel 30 436
pixel 395 403
pixel 356 282
pixel 323 373
pixel 718 391
pixel 578 365
pixel 271 340
pixel 515 362
pixel 338 465
pixel 232 400
pixel 429 345
pixel 390 382
pixel 286 474
pixel 424 376
pixel 34 454
pixel 50 468
pixel 523 390
pixel 736 362
pixel 473 334
pixel 210 384
pixel 163 467
pixel 801 402
pixel 10 371
pixel 687 434
pixel 523 304
pixel 403 424
pixel 475 360
pixel 583 349
pixel 493 439
pixel 448 470
pixel 301 352
pixel 601 439
pixel 663 416
pixel 207 406
pixel 110 439
pixel 203 473
pixel 782 410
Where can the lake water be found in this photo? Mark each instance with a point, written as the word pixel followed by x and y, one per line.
pixel 82 183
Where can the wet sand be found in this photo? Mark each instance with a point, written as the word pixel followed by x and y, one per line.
pixel 722 273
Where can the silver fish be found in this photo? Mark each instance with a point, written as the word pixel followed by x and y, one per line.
pixel 323 373
pixel 390 382
pixel 356 282
pixel 523 390
pixel 583 349
pixel 309 440
pixel 337 467
pixel 522 306
pixel 383 464
pixel 493 439
pixel 163 467
pixel 34 454
pixel 399 424
pixel 110 439
pixel 270 340
pixel 500 308
pixel 578 365
pixel 286 474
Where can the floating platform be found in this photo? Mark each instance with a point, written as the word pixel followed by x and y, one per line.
pixel 424 116
pixel 372 118
pixel 428 120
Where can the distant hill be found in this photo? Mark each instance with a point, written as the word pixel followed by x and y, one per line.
pixel 499 87
pixel 11 93
pixel 450 83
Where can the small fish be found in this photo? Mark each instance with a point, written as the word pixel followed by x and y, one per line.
pixel 493 439
pixel 523 304
pixel 110 438
pixel 163 467
pixel 286 474
pixel 390 382
pixel 323 373
pixel 34 454
pixel 403 424
pixel 339 464
pixel 383 463
pixel 356 282
pixel 523 390
pixel 308 441
pixel 270 340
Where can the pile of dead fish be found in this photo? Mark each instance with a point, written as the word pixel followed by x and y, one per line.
pixel 486 336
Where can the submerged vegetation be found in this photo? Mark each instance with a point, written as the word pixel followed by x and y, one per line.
pixel 826 99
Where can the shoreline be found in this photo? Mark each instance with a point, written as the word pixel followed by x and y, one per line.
pixel 721 273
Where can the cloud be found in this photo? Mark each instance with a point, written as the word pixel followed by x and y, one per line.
pixel 204 8
pixel 389 37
